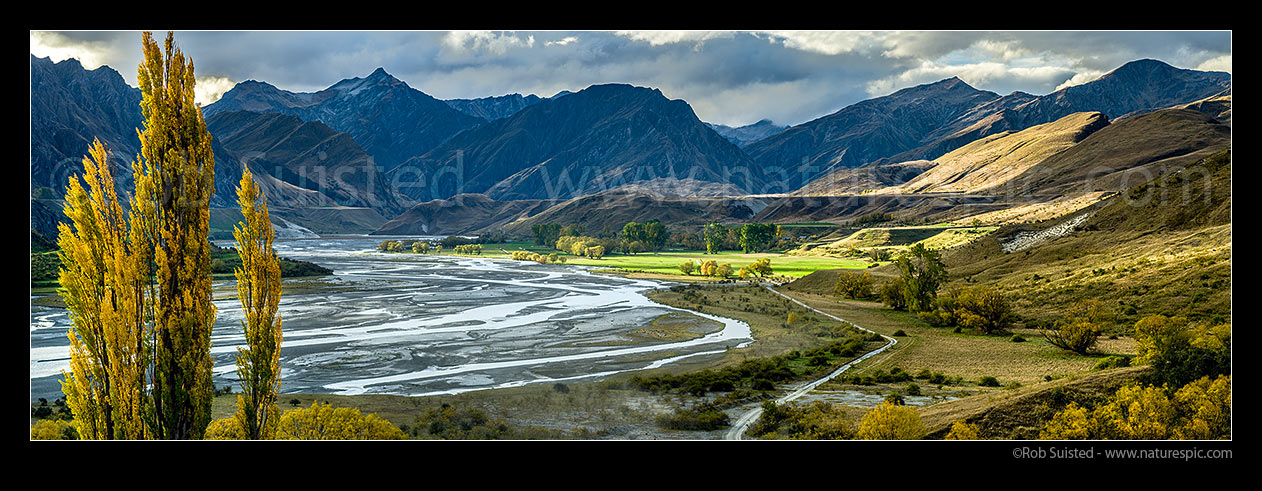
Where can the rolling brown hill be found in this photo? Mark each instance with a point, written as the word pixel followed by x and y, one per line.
pixel 992 161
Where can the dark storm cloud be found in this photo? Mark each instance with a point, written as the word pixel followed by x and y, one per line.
pixel 731 78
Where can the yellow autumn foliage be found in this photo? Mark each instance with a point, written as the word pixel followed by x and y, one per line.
pixel 1200 410
pixel 891 421
pixel 325 422
pixel 961 430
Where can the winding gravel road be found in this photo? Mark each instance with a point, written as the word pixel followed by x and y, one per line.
pixel 738 428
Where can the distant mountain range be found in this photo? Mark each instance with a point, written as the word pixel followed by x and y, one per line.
pixel 389 119
pixel 365 150
pixel 745 135
pixel 927 121
pixel 599 138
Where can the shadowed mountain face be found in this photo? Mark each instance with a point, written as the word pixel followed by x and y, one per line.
pixel 493 108
pixel 746 135
pixel 311 164
pixel 866 131
pixel 1136 87
pixel 385 116
pixel 600 138
pixel 71 106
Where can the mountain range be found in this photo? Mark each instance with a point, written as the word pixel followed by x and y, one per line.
pixel 368 149
pixel 389 119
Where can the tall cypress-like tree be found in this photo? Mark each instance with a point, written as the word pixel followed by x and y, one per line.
pixel 175 147
pixel 258 289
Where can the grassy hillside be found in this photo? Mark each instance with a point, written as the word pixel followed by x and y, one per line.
pixel 994 160
pixel 1162 247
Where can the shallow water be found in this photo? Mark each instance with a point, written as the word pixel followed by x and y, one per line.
pixel 424 325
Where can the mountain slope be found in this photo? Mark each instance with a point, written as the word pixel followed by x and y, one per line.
pixel 1126 151
pixel 311 164
pixel 493 108
pixel 389 119
pixel 993 160
pixel 866 131
pixel 1136 87
pixel 71 106
pixel 746 135
pixel 599 138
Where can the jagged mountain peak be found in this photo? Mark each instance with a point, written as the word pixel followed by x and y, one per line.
pixel 378 78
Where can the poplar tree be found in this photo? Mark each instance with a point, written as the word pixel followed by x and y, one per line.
pixel 258 289
pixel 138 286
pixel 105 279
pixel 175 148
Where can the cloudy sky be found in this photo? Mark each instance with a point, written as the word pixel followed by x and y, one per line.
pixel 728 77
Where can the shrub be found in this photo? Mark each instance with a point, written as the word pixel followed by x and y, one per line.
pixel 913 390
pixel 561 388
pixel 324 422
pixel 1113 361
pixel 900 333
pixel 695 419
pixel 854 285
pixel 988 381
pixel 961 430
pixel 53 429
pixel 1017 338
pixel 1181 352
pixel 1199 410
pixel 892 294
pixel 890 421
pixel 1078 337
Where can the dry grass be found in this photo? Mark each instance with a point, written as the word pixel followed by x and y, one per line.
pixel 964 355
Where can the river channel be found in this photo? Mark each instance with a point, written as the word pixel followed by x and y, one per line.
pixel 412 324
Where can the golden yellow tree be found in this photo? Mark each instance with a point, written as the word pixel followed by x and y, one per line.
pixel 258 289
pixel 105 280
pixel 175 148
pixel 138 285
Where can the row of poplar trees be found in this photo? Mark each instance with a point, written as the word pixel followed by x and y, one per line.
pixel 138 284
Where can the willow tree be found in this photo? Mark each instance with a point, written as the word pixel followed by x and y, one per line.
pixel 258 289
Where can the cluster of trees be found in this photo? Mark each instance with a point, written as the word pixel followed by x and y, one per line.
pixel 821 420
pixel 978 308
pixel 760 267
pixel 553 258
pixel 747 238
pixel 582 246
pixel 318 422
pixel 458 245
pixel 470 249
pixel 706 268
pixel 857 285
pixel 140 349
pixel 921 274
pixel 1199 410
pixel 640 237
pixel 634 238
